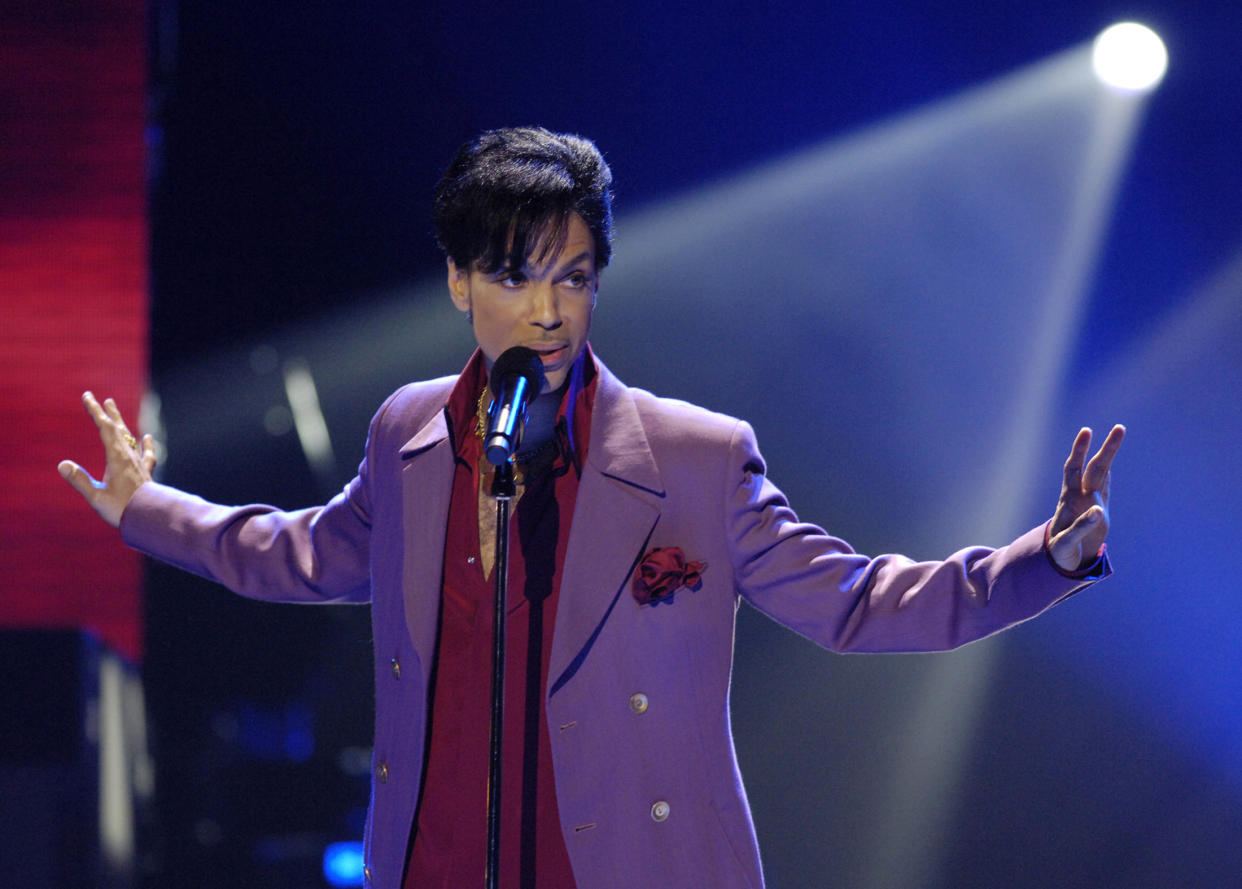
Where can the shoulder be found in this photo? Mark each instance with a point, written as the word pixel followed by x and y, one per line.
pixel 658 415
pixel 410 408
pixel 677 428
pixel 421 397
pixel 691 454
pixel 677 420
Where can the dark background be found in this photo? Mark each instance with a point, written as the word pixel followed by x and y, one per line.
pixel 297 145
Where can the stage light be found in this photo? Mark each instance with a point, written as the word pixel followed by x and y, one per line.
pixel 343 864
pixel 1129 57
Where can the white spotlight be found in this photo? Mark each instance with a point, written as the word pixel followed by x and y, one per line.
pixel 1129 57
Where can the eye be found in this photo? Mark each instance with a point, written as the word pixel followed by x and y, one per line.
pixel 578 280
pixel 512 279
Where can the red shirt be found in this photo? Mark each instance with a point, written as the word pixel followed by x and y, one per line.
pixel 448 846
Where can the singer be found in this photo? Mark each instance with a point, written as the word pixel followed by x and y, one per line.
pixel 639 523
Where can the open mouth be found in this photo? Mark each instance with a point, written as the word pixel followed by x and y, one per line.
pixel 551 355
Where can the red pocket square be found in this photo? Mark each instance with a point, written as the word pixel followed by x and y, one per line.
pixel 662 572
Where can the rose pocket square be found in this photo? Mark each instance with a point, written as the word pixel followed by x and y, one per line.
pixel 663 571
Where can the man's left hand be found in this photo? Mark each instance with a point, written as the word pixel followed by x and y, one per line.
pixel 1080 523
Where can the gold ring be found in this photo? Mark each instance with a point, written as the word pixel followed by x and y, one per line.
pixel 129 438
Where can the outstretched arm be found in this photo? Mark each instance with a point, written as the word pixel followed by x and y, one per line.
pixel 128 462
pixel 310 555
pixel 818 586
pixel 1080 522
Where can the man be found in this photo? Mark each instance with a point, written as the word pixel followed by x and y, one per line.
pixel 639 525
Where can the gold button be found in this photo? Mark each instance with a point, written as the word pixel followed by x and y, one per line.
pixel 659 811
pixel 396 668
pixel 381 772
pixel 638 702
pixel 366 873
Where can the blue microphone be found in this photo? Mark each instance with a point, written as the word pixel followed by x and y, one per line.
pixel 517 378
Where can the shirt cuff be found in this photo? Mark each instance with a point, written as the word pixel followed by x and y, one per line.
pixel 1085 570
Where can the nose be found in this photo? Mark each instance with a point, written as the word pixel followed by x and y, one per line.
pixel 545 308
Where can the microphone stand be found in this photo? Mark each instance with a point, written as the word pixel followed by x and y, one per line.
pixel 503 491
pixel 516 377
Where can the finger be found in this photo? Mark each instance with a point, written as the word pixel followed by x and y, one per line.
pixel 111 424
pixel 1081 539
pixel 148 453
pixel 94 409
pixel 114 412
pixel 1078 454
pixel 78 478
pixel 1096 474
pixel 1090 521
pixel 106 417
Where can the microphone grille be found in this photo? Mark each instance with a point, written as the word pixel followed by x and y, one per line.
pixel 517 360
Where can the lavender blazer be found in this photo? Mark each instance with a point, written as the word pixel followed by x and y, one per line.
pixel 648 787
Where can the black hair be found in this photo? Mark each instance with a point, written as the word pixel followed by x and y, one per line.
pixel 510 191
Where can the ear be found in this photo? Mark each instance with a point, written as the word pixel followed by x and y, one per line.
pixel 459 286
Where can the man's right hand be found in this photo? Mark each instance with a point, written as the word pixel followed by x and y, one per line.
pixel 129 463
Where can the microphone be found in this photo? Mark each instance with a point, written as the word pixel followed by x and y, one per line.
pixel 517 378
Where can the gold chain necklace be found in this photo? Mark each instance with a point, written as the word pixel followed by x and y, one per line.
pixel 480 414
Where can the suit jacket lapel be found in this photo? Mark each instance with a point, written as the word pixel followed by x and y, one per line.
pixel 427 489
pixel 618 507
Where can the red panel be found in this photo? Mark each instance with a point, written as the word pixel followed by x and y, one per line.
pixel 73 304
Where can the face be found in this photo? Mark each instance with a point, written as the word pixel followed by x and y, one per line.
pixel 544 305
